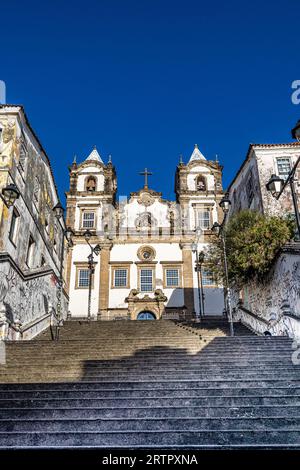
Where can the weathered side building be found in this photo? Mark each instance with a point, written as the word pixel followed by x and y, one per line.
pixel 275 303
pixel 248 188
pixel 31 236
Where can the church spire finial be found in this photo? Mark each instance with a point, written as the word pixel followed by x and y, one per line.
pixel 146 173
pixel 180 159
pixel 217 158
pixel 74 159
pixel 196 146
pixel 109 158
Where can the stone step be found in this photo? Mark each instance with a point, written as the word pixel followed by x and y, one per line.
pixel 159 367
pixel 146 393
pixel 158 384
pixel 73 346
pixel 153 412
pixel 150 402
pixel 151 424
pixel 88 375
pixel 154 352
pixel 157 439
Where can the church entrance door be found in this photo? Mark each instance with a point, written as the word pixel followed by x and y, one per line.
pixel 146 316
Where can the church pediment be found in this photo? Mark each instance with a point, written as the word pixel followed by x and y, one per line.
pixel 145 197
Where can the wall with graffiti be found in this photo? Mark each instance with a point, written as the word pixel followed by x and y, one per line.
pixel 275 302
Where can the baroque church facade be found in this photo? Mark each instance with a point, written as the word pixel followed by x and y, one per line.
pixel 146 267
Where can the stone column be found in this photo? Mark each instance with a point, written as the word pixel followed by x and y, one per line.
pixel 104 279
pixel 188 284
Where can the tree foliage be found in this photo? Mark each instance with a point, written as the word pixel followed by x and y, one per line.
pixel 252 243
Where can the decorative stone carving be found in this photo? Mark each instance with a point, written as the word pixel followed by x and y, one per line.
pixel 146 253
pixel 145 221
pixel 146 199
pixel 137 304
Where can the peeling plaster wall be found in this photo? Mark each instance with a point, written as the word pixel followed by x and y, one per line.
pixel 27 301
pixel 267 165
pixel 24 163
pixel 279 294
pixel 238 194
pixel 262 163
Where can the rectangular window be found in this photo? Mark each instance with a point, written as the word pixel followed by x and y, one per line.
pixel 172 277
pixel 14 226
pixel 204 219
pixel 83 278
pixel 207 278
pixel 120 277
pixel 284 167
pixel 146 280
pixel 88 220
pixel 30 252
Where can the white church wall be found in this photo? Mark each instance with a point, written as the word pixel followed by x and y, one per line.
pixel 213 295
pixel 166 252
pixel 78 305
pixel 198 202
pixel 133 209
pixel 84 204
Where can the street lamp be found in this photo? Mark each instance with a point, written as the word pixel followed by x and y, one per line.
pixel 66 234
pixel 276 185
pixel 94 251
pixel 225 203
pixel 198 268
pixel 9 195
pixel 218 230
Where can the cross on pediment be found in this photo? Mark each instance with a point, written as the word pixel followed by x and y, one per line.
pixel 146 173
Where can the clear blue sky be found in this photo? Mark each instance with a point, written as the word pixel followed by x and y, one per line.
pixel 146 80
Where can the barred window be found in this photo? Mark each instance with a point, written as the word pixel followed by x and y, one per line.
pixel 88 220
pixel 83 278
pixel 120 279
pixel 284 167
pixel 146 280
pixel 172 277
pixel 204 219
pixel 207 278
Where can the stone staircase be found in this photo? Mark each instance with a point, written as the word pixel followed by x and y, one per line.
pixel 150 384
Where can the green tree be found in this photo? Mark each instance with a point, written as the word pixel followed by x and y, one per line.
pixel 252 243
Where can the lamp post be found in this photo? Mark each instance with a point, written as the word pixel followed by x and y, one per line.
pixel 198 268
pixel 94 251
pixel 67 234
pixel 277 185
pixel 218 229
pixel 9 195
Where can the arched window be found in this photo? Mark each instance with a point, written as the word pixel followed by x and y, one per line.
pixel 91 184
pixel 201 183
